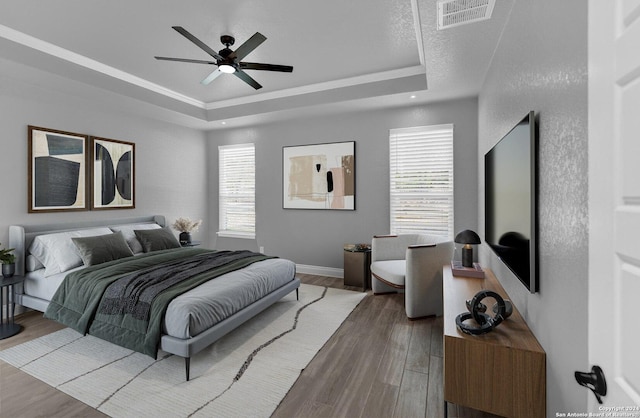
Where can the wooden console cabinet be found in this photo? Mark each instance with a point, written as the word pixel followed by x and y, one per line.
pixel 502 372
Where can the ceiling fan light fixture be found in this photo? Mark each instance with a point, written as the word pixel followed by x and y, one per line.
pixel 228 61
pixel 226 68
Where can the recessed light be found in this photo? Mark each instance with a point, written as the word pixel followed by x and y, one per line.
pixel 223 122
pixel 413 96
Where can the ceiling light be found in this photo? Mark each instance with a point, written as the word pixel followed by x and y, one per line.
pixel 226 68
pixel 413 96
pixel 223 122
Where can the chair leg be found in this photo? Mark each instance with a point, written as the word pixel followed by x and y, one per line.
pixel 187 366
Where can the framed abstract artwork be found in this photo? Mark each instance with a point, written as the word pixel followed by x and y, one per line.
pixel 321 176
pixel 58 171
pixel 113 174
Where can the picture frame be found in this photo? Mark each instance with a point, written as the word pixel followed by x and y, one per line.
pixel 319 176
pixel 112 174
pixel 58 170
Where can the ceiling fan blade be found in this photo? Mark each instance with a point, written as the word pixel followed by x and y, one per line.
pixel 186 60
pixel 251 44
pixel 265 67
pixel 208 79
pixel 182 31
pixel 247 79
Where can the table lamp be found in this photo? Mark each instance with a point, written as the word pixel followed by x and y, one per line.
pixel 467 237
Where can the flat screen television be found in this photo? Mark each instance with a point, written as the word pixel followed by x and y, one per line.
pixel 511 201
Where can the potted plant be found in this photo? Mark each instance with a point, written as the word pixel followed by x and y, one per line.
pixel 186 226
pixel 8 260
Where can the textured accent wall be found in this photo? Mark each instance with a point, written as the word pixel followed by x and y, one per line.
pixel 541 64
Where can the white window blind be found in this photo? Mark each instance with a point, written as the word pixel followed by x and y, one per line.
pixel 237 190
pixel 421 180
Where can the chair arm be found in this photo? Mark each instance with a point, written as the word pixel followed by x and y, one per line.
pixel 414 246
pixel 423 279
pixel 420 258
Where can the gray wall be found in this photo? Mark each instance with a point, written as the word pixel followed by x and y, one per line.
pixel 316 237
pixel 171 176
pixel 541 65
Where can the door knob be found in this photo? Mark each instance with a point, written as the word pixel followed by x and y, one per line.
pixel 594 381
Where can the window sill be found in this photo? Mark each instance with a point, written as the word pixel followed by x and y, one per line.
pixel 235 234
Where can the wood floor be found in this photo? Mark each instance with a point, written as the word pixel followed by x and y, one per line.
pixel 378 364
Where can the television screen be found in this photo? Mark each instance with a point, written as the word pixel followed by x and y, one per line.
pixel 511 203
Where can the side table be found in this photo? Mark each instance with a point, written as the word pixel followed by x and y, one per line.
pixel 8 327
pixel 190 244
pixel 357 263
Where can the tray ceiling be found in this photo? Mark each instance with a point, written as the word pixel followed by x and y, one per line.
pixel 364 52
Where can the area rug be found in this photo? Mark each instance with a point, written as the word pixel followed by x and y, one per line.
pixel 246 373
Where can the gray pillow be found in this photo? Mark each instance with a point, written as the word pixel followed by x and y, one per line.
pixel 130 236
pixel 156 239
pixel 102 248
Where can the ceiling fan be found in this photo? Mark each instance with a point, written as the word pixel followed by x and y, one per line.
pixel 229 61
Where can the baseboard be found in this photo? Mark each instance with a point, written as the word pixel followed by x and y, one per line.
pixel 320 271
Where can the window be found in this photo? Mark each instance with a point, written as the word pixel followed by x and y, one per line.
pixel 237 191
pixel 421 180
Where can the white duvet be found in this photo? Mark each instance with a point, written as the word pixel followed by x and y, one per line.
pixel 198 309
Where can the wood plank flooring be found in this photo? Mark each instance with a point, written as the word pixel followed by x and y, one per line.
pixel 378 364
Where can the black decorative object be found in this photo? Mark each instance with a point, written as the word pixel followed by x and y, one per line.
pixel 595 381
pixel 185 238
pixel 477 309
pixel 467 237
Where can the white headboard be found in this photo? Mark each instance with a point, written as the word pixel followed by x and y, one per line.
pixel 21 236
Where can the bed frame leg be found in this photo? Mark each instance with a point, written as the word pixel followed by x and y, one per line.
pixel 297 298
pixel 187 364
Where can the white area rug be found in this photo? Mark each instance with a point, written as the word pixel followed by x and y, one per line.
pixel 268 353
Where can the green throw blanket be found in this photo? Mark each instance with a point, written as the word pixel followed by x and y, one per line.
pixel 124 301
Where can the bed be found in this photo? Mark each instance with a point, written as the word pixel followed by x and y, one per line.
pixel 192 320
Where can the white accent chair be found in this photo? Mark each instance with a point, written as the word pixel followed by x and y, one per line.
pixel 411 263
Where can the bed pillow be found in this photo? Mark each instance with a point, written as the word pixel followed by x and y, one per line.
pixel 156 239
pixel 130 236
pixel 57 252
pixel 33 263
pixel 103 248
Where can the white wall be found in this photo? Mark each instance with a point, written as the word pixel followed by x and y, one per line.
pixel 316 237
pixel 170 161
pixel 541 65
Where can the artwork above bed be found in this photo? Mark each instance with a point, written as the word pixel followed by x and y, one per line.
pixel 113 170
pixel 67 173
pixel 58 170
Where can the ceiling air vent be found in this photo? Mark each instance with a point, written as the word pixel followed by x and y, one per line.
pixel 460 12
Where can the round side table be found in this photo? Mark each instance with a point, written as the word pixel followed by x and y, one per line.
pixel 8 327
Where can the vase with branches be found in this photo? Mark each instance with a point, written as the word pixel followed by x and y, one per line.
pixel 186 226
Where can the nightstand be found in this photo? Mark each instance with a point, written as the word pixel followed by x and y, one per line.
pixel 8 327
pixel 191 244
pixel 357 263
